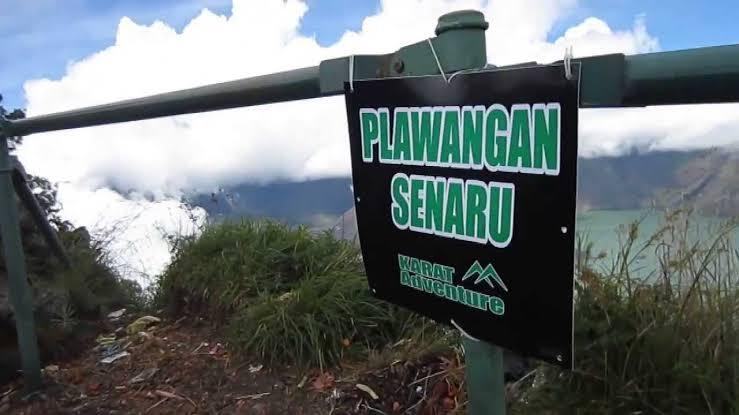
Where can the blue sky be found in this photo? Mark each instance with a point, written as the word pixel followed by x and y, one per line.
pixel 39 38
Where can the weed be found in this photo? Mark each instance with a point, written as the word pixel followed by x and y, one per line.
pixel 665 341
pixel 289 295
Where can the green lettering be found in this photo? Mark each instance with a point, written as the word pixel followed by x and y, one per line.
pixel 438 272
pixel 403 262
pixel 450 292
pixel 484 301
pixel 448 273
pixel 427 284
pixel 405 278
pixel 460 294
pixel 450 149
pixel 425 133
pixel 417 220
pixel 454 215
pixel 477 198
pixel 546 137
pixel 439 288
pixel 497 306
pixel 469 299
pixel 401 136
pixel 519 154
pixel 415 266
pixel 496 136
pixel 427 269
pixel 472 128
pixel 416 282
pixel 434 207
pixel 370 131
pixel 386 148
pixel 399 185
pixel 500 215
pixel 477 300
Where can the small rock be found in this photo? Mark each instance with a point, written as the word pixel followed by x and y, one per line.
pixel 117 314
pixel 51 369
pixel 114 357
pixel 141 324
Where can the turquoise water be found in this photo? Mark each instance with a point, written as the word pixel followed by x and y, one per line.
pixel 601 227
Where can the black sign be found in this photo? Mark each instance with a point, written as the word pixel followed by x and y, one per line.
pixel 465 199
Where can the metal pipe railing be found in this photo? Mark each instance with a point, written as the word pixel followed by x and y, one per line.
pixel 277 87
pixel 693 76
pixel 682 77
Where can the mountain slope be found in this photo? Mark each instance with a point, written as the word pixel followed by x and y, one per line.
pixel 707 180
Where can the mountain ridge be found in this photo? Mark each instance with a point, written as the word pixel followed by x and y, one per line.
pixel 705 179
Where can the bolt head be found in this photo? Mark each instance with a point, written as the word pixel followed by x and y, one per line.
pixel 399 65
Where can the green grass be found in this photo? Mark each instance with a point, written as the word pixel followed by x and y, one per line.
pixel 666 343
pixel 285 294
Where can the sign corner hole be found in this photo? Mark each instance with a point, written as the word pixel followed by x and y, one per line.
pixel 563 229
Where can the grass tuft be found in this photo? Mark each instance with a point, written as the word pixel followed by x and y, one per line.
pixel 288 295
pixel 663 340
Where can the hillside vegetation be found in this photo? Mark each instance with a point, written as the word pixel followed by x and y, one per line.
pixel 670 345
pixel 68 302
pixel 285 294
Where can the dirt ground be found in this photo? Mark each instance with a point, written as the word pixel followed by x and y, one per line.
pixel 185 368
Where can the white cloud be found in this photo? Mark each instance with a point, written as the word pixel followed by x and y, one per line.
pixel 300 139
pixel 133 229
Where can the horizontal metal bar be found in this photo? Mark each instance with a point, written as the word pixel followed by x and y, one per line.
pixel 693 76
pixel 277 87
pixel 460 44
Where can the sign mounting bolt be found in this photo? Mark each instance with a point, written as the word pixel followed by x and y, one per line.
pixel 399 65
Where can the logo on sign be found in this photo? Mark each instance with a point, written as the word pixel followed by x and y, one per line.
pixel 438 280
pixel 488 274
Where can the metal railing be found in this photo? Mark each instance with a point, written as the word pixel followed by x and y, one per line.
pixel 704 75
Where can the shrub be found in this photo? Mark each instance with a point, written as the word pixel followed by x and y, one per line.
pixel 666 342
pixel 289 295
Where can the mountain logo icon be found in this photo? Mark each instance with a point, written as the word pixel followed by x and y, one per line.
pixel 487 274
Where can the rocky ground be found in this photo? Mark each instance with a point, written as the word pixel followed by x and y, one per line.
pixel 183 367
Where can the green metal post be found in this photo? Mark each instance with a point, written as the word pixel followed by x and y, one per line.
pixel 484 362
pixel 484 372
pixel 15 263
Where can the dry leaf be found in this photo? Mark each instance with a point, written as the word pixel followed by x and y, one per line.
pixel 323 381
pixel 302 382
pixel 369 391
pixel 448 404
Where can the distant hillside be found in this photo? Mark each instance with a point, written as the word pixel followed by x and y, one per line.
pixel 708 180
pixel 317 203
